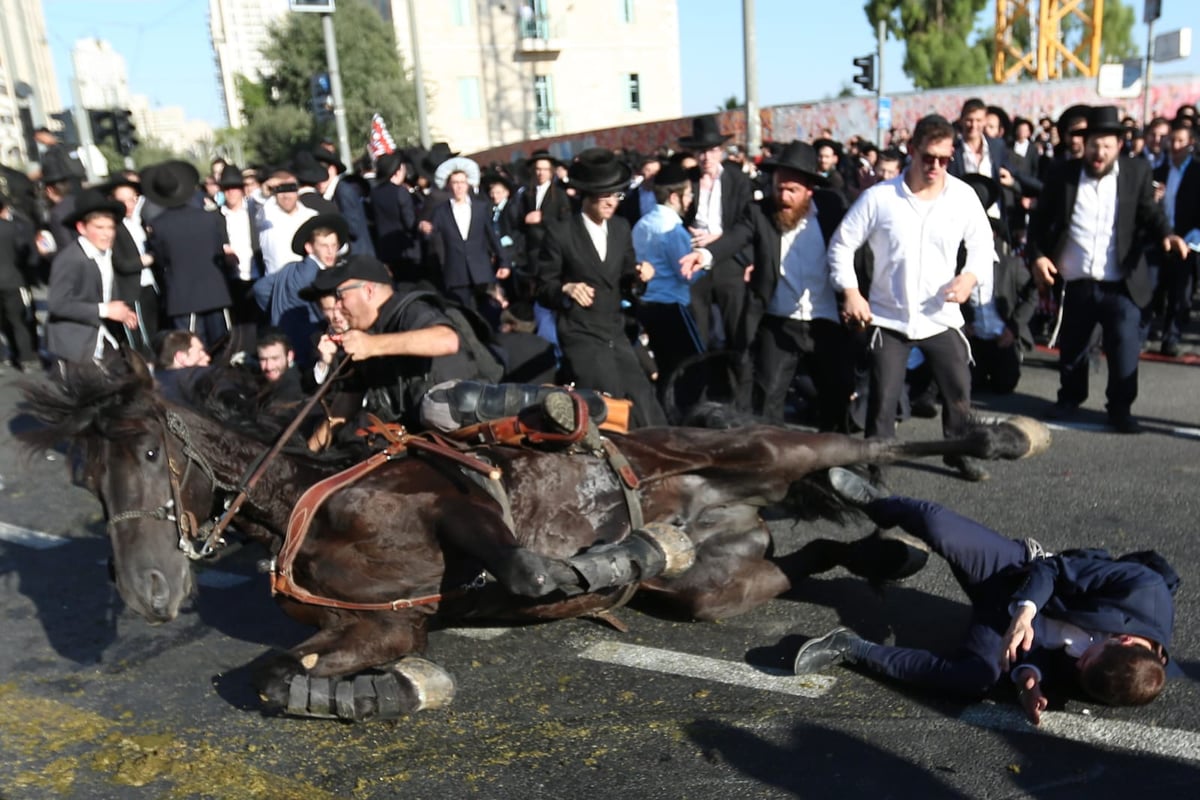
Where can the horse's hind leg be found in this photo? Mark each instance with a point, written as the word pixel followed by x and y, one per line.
pixel 327 675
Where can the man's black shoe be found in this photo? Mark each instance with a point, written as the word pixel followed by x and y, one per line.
pixel 1125 424
pixel 968 468
pixel 817 655
pixel 1170 349
pixel 1061 411
pixel 924 407
pixel 854 488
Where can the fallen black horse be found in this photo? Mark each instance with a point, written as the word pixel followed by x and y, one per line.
pixel 375 566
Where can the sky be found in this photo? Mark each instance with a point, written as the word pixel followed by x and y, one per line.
pixel 805 48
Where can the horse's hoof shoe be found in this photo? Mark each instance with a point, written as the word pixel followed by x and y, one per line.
pixel 675 545
pixel 434 686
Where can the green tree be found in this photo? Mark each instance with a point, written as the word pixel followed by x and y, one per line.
pixel 253 94
pixel 274 133
pixel 940 48
pixel 373 79
pixel 731 104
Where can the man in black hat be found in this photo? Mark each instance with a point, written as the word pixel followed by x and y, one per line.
pixel 914 225
pixel 85 311
pixel 349 201
pixel 243 253
pixel 57 162
pixel 584 268
pixel 282 295
pixel 189 246
pixel 1178 184
pixel 282 216
pixel 506 218
pixel 1083 236
pixel 472 259
pixel 133 261
pixel 722 198
pixel 18 265
pixel 543 203
pixel 829 159
pixel 395 217
pixel 309 174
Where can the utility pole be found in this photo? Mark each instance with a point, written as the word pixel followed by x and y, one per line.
pixel 335 85
pixel 1150 12
pixel 418 80
pixel 750 53
pixel 881 124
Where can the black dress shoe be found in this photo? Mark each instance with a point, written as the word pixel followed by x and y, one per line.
pixel 1170 349
pixel 817 655
pixel 1125 424
pixel 854 488
pixel 1061 411
pixel 968 468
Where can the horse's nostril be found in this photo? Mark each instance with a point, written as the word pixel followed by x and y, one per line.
pixel 158 591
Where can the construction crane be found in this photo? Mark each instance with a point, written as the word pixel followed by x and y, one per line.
pixel 1047 54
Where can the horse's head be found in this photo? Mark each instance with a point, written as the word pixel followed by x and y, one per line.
pixel 129 457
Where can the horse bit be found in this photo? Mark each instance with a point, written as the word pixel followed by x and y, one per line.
pixel 208 534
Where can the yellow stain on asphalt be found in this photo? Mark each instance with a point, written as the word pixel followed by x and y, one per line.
pixel 49 745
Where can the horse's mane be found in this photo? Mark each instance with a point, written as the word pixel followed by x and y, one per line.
pixel 85 400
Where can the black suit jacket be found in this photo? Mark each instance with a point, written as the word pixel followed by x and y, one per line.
pixel 395 224
pixel 73 305
pixel 189 244
pixel 556 210
pixel 18 256
pixel 737 195
pixel 468 262
pixel 349 202
pixel 1187 198
pixel 568 256
pixel 1140 221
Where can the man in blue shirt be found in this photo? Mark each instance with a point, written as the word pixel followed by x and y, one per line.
pixel 661 240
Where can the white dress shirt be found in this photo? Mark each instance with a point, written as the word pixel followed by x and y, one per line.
pixel 915 244
pixel 103 260
pixel 803 291
pixel 1091 248
pixel 462 216
pixel 598 235
pixel 237 224
pixel 708 206
pixel 540 194
pixel 276 231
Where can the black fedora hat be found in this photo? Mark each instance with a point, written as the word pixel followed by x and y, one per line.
pixel 437 154
pixel 170 184
pixel 542 155
pixel 1069 116
pixel 987 189
pixel 706 133
pixel 326 157
pixel 597 170
pixel 388 165
pixel 231 178
pixel 1104 121
pixel 308 170
pixel 800 157
pixel 492 176
pixel 93 201
pixel 671 173
pixel 832 144
pixel 335 221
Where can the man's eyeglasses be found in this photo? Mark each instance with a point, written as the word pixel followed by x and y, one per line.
pixel 618 196
pixel 340 292
pixel 930 160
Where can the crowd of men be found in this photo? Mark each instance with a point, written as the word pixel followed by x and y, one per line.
pixel 842 285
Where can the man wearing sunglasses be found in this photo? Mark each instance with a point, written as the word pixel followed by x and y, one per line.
pixel 914 225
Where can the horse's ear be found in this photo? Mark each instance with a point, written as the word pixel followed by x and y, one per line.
pixel 138 366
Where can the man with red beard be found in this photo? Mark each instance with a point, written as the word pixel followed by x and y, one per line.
pixel 914 225
pixel 1081 234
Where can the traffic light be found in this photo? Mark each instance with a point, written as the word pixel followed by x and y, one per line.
pixel 866 72
pixel 126 132
pixel 103 124
pixel 67 133
pixel 322 96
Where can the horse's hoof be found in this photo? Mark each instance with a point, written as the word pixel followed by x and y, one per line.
pixel 411 685
pixel 433 686
pixel 676 546
pixel 1036 432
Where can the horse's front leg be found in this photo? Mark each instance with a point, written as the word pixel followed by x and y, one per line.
pixel 327 675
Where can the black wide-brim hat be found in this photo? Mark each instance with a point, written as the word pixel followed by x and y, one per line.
pixel 308 170
pixel 1068 115
pixel 1104 121
pixel 356 267
pixel 491 176
pixel 542 155
pixel 706 133
pixel 987 189
pixel 170 184
pixel 799 157
pixel 832 144
pixel 231 178
pixel 93 201
pixel 335 221
pixel 326 157
pixel 437 154
pixel 672 173
pixel 597 170
pixel 387 166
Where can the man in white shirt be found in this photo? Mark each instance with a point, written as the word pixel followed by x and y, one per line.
pixel 282 216
pixel 1177 183
pixel 914 225
pixel 243 253
pixel 1090 230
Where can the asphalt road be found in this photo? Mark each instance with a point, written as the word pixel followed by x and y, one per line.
pixel 95 703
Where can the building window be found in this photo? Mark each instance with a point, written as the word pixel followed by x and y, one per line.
pixel 461 12
pixel 543 104
pixel 626 10
pixel 468 98
pixel 534 20
pixel 633 92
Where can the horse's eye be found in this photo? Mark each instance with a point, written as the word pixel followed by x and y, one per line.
pixel 152 454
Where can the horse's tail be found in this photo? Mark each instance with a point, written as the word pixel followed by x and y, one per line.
pixel 989 438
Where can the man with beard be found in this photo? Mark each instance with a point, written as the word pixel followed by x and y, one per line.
pixel 1082 236
pixel 914 225
pixel 1178 188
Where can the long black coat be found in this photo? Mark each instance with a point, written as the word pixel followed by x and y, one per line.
pixel 467 262
pixel 1140 221
pixel 188 244
pixel 395 225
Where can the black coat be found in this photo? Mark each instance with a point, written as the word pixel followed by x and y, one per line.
pixel 1187 198
pixel 556 210
pixel 189 244
pixel 568 256
pixel 1140 221
pixel 395 224
pixel 349 202
pixel 18 256
pixel 467 262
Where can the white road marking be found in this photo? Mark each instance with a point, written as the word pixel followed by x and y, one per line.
pixel 478 633
pixel 1088 427
pixel 1191 433
pixel 708 669
pixel 1117 734
pixel 219 579
pixel 27 537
